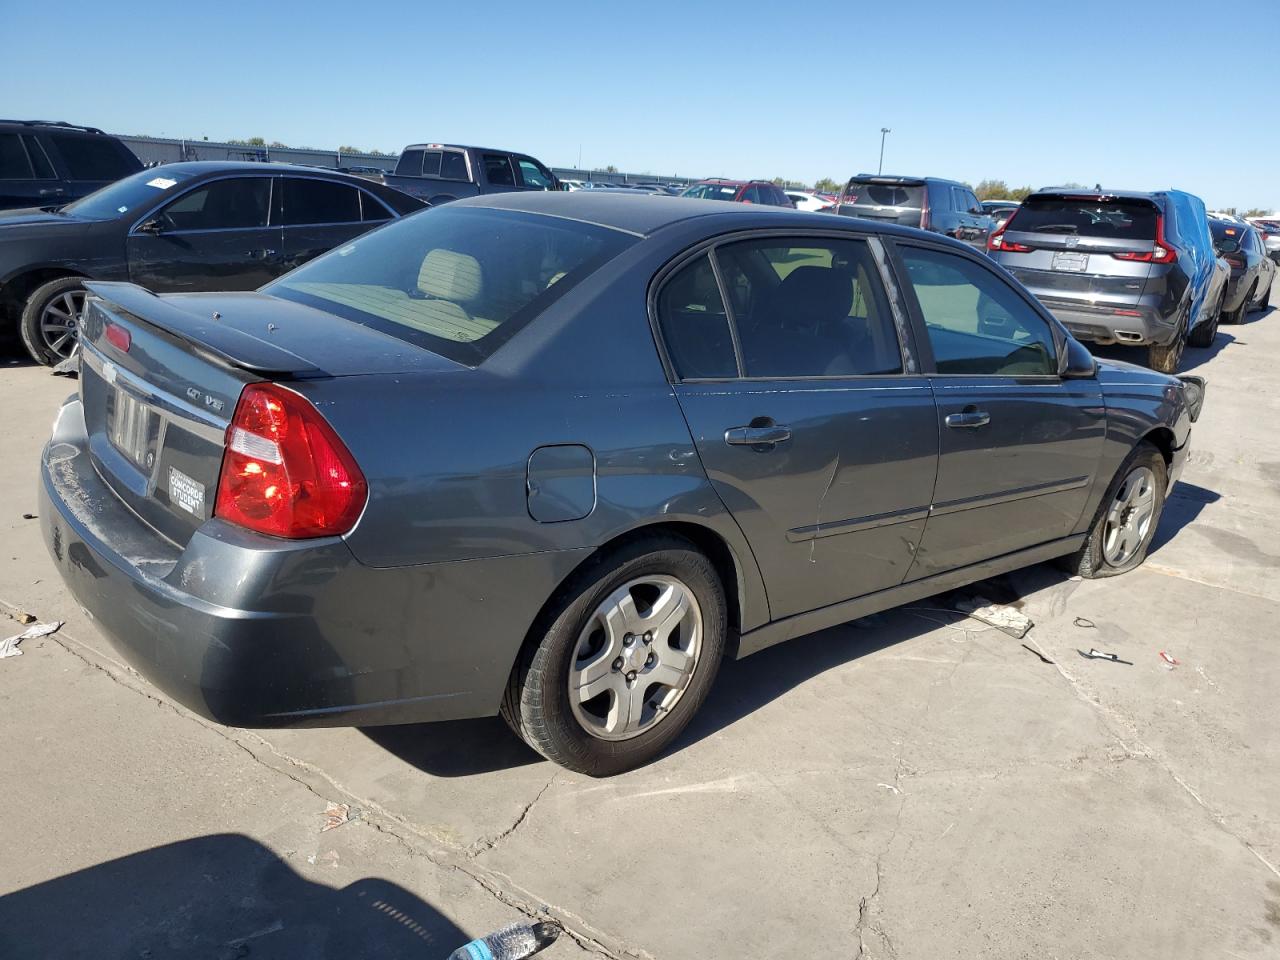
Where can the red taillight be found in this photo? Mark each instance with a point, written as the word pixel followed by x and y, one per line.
pixel 118 337
pixel 1236 260
pixel 997 242
pixel 1162 253
pixel 926 212
pixel 285 472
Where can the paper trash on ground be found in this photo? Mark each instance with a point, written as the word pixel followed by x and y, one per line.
pixel 998 615
pixel 9 646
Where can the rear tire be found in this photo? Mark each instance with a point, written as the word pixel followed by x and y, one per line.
pixel 1237 315
pixel 580 647
pixel 1202 336
pixel 46 336
pixel 1265 299
pixel 1127 517
pixel 1165 359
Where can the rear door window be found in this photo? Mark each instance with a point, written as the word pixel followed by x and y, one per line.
pixel 497 170
pixel 14 164
pixel 39 159
pixel 977 323
pixel 752 195
pixel 308 201
pixel 94 158
pixel 372 209
pixel 809 308
pixel 239 203
pixel 711 191
pixel 1087 217
pixel 695 324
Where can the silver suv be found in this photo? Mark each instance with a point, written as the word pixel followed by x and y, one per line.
pixel 1117 266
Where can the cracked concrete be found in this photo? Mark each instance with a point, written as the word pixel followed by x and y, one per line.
pixel 915 785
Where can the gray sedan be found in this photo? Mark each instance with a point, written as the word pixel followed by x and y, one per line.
pixel 556 455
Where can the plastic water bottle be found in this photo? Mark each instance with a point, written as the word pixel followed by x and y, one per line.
pixel 515 942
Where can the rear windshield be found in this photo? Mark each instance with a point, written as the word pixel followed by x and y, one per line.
pixel 859 194
pixel 457 281
pixel 712 191
pixel 1087 217
pixel 127 195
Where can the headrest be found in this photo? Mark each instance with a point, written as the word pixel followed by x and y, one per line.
pixel 450 276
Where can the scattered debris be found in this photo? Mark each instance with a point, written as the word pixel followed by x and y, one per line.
pixel 1099 655
pixel 998 615
pixel 23 617
pixel 9 646
pixel 1043 658
pixel 515 942
pixel 890 787
pixel 1086 623
pixel 29 516
pixel 1171 660
pixel 69 367
pixel 335 815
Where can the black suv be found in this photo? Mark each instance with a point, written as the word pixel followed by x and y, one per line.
pixel 930 203
pixel 44 163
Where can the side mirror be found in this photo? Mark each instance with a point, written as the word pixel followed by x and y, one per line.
pixel 1077 362
pixel 154 226
pixel 1228 245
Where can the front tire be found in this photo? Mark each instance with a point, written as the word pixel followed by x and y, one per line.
pixel 1127 517
pixel 51 319
pixel 625 662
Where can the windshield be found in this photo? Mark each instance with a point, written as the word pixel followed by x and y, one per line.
pixel 126 195
pixel 712 191
pixel 860 194
pixel 1087 217
pixel 457 281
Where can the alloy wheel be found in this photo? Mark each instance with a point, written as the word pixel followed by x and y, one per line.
pixel 1129 517
pixel 635 657
pixel 60 322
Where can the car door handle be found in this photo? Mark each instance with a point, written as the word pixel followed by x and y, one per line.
pixel 968 417
pixel 259 254
pixel 53 192
pixel 757 436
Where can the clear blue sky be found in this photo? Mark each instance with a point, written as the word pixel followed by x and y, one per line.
pixel 1132 94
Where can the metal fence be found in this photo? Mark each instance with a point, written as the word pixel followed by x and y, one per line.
pixel 157 150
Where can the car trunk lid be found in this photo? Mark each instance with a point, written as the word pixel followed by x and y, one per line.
pixel 160 378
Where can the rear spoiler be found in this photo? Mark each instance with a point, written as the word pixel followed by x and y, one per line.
pixel 206 335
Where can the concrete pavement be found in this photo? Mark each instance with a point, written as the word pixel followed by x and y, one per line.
pixel 912 785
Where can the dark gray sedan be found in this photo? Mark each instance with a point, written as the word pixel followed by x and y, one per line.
pixel 556 455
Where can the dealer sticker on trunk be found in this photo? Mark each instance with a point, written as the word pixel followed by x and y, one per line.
pixel 186 493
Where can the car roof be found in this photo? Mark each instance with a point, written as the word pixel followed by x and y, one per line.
pixel 197 167
pixel 909 181
pixel 1097 192
pixel 462 146
pixel 56 124
pixel 645 214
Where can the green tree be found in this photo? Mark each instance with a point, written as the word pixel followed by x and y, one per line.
pixel 991 190
pixel 1020 193
pixel 611 169
pixel 826 185
pixel 251 142
pixel 277 143
pixel 350 150
pixel 1255 212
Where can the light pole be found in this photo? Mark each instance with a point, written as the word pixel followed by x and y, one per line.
pixel 884 132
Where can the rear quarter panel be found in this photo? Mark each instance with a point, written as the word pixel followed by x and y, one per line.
pixel 447 456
